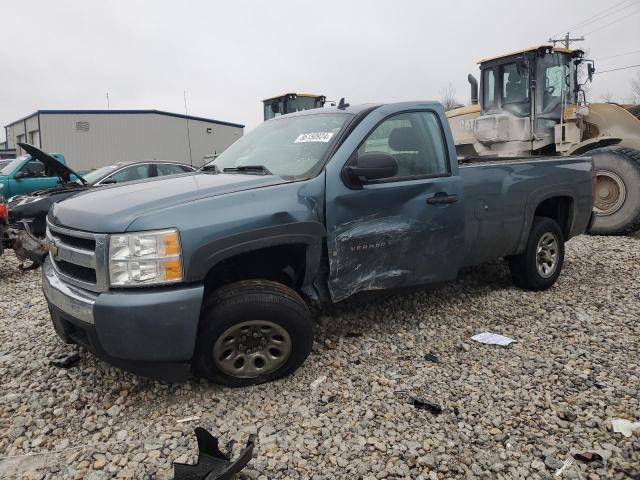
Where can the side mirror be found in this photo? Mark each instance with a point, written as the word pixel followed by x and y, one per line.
pixel 591 69
pixel 20 175
pixel 109 181
pixel 372 166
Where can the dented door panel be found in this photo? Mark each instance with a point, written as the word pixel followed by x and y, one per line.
pixel 386 235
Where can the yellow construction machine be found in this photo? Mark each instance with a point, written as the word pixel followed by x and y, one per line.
pixel 291 102
pixel 531 102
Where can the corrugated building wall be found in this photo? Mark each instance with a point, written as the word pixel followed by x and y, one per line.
pixel 90 139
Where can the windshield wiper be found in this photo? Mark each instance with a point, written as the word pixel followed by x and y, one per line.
pixel 252 169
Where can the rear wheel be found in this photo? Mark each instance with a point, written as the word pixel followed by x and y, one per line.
pixel 251 332
pixel 539 266
pixel 617 198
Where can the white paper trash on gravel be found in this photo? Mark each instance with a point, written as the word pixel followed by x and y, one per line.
pixel 492 339
pixel 624 426
pixel 316 383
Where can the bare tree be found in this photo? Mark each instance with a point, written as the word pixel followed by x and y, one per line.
pixel 448 98
pixel 607 97
pixel 635 88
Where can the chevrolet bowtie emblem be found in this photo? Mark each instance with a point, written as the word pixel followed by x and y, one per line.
pixel 53 248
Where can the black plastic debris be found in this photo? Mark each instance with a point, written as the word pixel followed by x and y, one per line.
pixel 588 457
pixel 65 360
pixel 212 463
pixel 430 357
pixel 424 404
pixel 419 402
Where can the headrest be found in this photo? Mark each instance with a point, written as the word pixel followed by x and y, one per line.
pixel 404 139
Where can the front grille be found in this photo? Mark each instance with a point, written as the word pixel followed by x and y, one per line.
pixel 78 257
pixel 83 273
pixel 83 243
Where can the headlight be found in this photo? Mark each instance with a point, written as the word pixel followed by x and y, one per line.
pixel 145 258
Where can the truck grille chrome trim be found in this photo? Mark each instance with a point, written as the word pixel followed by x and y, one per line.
pixel 79 257
pixel 72 301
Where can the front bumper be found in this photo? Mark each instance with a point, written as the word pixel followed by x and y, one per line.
pixel 151 332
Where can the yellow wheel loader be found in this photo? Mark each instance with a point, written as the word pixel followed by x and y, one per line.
pixel 530 102
pixel 291 102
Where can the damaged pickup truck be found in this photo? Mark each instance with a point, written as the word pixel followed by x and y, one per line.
pixel 213 272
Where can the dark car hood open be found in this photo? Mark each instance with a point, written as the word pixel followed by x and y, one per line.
pixel 113 209
pixel 60 169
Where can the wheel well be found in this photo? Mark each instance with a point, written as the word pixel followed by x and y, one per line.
pixel 560 209
pixel 281 263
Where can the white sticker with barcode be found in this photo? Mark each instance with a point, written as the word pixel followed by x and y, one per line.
pixel 323 137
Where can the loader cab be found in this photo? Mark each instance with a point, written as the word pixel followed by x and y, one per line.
pixel 522 95
pixel 291 102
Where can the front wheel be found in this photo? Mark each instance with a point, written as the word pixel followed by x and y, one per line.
pixel 251 332
pixel 539 266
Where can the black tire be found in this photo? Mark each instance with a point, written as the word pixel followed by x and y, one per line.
pixel 623 163
pixel 524 267
pixel 252 300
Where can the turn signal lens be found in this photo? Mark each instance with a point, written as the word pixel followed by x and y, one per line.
pixel 171 243
pixel 172 270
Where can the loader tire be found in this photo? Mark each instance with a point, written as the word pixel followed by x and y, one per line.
pixel 617 198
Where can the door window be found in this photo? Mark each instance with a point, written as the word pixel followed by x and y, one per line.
pixel 33 168
pixel 168 169
pixel 135 172
pixel 415 140
pixel 515 90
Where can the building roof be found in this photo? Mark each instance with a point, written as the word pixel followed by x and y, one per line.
pixel 124 112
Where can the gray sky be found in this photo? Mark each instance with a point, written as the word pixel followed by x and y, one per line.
pixel 230 55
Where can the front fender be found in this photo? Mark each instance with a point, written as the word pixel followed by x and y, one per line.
pixel 308 233
pixel 592 143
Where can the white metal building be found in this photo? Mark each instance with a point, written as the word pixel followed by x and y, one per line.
pixel 93 138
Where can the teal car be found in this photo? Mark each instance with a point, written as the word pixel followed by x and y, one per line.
pixel 25 174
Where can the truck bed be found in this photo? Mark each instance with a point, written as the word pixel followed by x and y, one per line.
pixel 497 228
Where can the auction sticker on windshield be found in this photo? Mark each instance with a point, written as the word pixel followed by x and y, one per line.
pixel 323 137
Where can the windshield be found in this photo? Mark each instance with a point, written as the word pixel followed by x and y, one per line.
pixel 99 174
pixel 286 146
pixel 8 170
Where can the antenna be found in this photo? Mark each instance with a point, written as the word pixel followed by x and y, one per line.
pixel 186 114
pixel 108 103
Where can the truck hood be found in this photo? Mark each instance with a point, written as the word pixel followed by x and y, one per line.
pixel 113 209
pixel 60 169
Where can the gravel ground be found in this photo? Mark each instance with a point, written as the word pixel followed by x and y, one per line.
pixel 514 412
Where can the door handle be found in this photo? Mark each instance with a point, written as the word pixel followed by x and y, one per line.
pixel 442 198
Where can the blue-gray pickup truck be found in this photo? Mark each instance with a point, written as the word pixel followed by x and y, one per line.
pixel 213 272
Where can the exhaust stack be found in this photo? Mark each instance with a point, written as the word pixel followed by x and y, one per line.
pixel 474 89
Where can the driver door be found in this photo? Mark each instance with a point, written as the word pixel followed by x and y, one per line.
pixel 399 231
